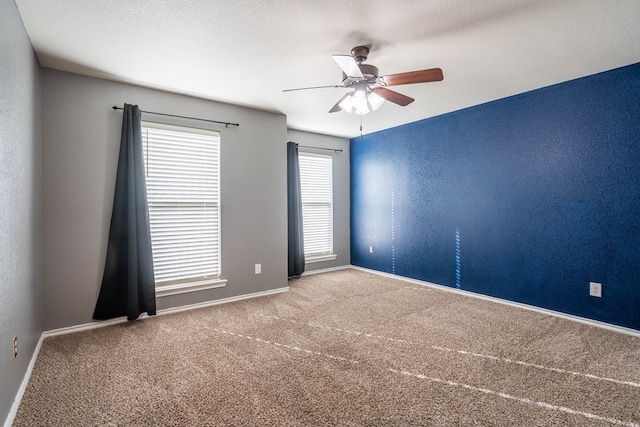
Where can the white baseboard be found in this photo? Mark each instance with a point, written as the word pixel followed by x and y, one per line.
pixel 123 319
pixel 104 323
pixel 23 386
pixel 603 325
pixel 326 270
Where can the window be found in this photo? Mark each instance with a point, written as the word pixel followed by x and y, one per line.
pixel 182 174
pixel 316 181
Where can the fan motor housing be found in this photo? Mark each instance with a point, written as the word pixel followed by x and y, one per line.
pixel 370 73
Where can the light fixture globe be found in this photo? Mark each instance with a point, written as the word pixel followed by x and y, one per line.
pixel 360 103
pixel 346 104
pixel 375 100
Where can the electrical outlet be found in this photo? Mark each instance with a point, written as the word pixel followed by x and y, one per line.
pixel 595 289
pixel 370 249
pixel 15 347
pixel 258 268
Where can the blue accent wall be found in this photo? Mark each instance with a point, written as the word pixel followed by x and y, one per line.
pixel 528 198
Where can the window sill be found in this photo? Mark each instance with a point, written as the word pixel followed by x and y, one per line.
pixel 320 258
pixel 182 288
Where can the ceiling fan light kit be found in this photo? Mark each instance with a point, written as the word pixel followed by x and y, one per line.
pixel 370 91
pixel 360 101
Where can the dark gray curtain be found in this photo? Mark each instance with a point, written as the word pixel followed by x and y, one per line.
pixel 128 284
pixel 294 212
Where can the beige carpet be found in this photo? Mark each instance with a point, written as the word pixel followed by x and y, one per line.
pixel 345 348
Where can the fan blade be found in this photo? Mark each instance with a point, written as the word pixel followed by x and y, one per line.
pixel 337 107
pixel 348 65
pixel 313 87
pixel 395 97
pixel 422 76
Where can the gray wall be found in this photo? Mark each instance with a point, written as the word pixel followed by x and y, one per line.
pixel 20 206
pixel 81 137
pixel 341 194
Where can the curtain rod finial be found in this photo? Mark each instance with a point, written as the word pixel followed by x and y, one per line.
pixel 114 107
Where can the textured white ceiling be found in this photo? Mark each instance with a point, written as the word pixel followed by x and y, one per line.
pixel 247 51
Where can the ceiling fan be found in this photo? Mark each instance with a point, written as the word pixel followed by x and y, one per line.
pixel 370 90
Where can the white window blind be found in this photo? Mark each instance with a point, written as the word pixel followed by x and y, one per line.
pixel 182 174
pixel 316 172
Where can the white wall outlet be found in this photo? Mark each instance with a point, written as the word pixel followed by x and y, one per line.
pixel 370 249
pixel 595 289
pixel 258 268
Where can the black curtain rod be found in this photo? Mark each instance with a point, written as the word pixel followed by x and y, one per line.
pixel 226 124
pixel 335 150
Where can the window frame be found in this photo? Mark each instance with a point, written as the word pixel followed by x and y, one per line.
pixel 197 284
pixel 324 256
